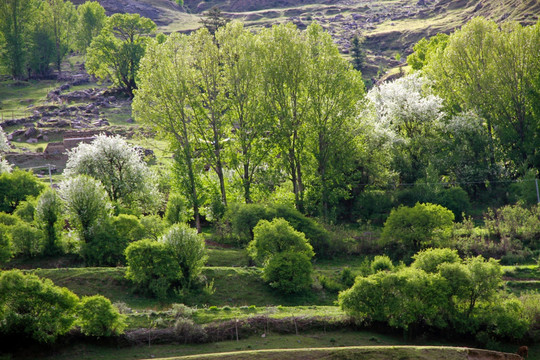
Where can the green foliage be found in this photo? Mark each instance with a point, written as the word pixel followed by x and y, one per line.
pixel 277 236
pixel 92 19
pixel 289 272
pixel 358 54
pixel 347 277
pixel 213 19
pixel 34 308
pixel 177 210
pixel 96 316
pixel 417 227
pixel 48 212
pixel 515 222
pixel 381 263
pixel 430 259
pixel 189 250
pixel 425 48
pixel 16 187
pixel 243 219
pixel 61 18
pixel 128 227
pixel 116 52
pixel 15 24
pixel 106 246
pixel 5 245
pixel 8 219
pixel 27 241
pixel 26 209
pixel 153 226
pixel 152 266
pixel 373 206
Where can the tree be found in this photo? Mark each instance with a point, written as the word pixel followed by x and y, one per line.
pixel 166 69
pixel 250 146
pixel 15 187
pixel 189 249
pixel 98 317
pixel 275 237
pixel 86 203
pixel 61 17
pixel 424 49
pixel 208 103
pixel 120 169
pixel 42 47
pixel 116 52
pixel 152 266
pixel 48 212
pixel 429 259
pixel 15 23
pixel 5 245
pixel 284 61
pixel 358 53
pixel 34 308
pixel 26 240
pixel 417 227
pixel 92 20
pixel 335 91
pixel 214 19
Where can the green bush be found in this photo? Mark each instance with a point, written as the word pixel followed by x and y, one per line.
pixel 26 209
pixel 96 316
pixel 8 219
pixel 27 241
pixel 289 272
pixel 178 211
pixel 106 247
pixel 515 222
pixel 47 214
pixel 16 187
pixel 381 263
pixel 243 218
pixel 416 228
pixel 5 245
pixel 274 237
pixel 152 266
pixel 189 250
pixel 34 308
pixel 153 226
pixel 128 227
pixel 347 277
pixel 429 259
pixel 373 206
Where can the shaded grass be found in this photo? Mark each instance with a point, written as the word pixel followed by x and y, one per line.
pixel 17 98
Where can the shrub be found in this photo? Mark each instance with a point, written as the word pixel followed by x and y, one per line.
pixel 47 215
pixel 98 317
pixel 26 240
pixel 289 272
pixel 153 226
pixel 16 187
pixel 429 259
pixel 152 266
pixel 128 227
pixel 347 277
pixel 106 247
pixel 181 311
pixel 188 331
pixel 5 245
pixel 26 209
pixel 277 236
pixel 381 263
pixel 515 222
pixel 34 307
pixel 373 206
pixel 244 218
pixel 189 250
pixel 8 219
pixel 417 227
pixel 178 212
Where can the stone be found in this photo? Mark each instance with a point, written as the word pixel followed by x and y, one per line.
pixel 31 132
pixel 32 141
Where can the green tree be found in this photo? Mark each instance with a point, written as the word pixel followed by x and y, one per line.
pixel 166 69
pixel 48 212
pixel 86 203
pixel 120 169
pixel 430 259
pixel 42 47
pixel 250 146
pixel 35 308
pixel 15 23
pixel 285 62
pixel 189 250
pixel 417 227
pixel 26 240
pixel 358 53
pixel 274 237
pixel 61 17
pixel 425 48
pixel 15 187
pixel 116 52
pixel 6 251
pixel 335 91
pixel 214 19
pixel 152 266
pixel 289 272
pixel 98 317
pixel 92 19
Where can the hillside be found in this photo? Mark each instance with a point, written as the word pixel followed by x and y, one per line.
pixel 389 26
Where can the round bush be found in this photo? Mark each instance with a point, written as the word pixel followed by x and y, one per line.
pixel 381 263
pixel 289 272
pixel 429 259
pixel 98 317
pixel 152 266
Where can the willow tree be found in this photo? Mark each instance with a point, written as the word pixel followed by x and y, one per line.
pixel 162 101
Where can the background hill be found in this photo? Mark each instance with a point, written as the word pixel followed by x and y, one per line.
pixel 389 26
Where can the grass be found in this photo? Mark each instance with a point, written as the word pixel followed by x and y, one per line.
pixel 17 98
